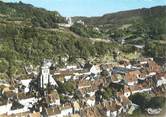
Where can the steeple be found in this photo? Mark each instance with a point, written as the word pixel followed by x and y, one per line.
pixel 45 76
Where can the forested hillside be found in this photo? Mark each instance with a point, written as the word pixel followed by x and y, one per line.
pixel 29 34
pixel 137 27
pixel 30 15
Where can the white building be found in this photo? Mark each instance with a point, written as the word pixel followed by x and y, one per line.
pixel 26 84
pixel 66 111
pixel 45 76
pixel 162 81
pixel 94 70
pixel 90 101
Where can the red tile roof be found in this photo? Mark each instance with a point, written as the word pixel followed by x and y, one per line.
pixel 132 75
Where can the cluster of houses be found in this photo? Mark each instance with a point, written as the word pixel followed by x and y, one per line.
pixel 38 95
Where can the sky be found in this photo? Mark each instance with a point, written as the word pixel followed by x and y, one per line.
pixel 91 7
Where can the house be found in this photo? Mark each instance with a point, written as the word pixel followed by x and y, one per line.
pixel 153 66
pixel 91 86
pixel 22 95
pixel 66 74
pixel 126 103
pixel 116 78
pixel 66 78
pixel 6 109
pixel 90 112
pixel 150 65
pixel 110 108
pixel 22 114
pixel 54 98
pixel 63 75
pixel 54 111
pixel 117 106
pixel 161 79
pixel 90 101
pixel 26 84
pixel 66 109
pixel 90 91
pixel 75 115
pixel 76 107
pixel 80 22
pixel 94 70
pixel 101 81
pixel 83 84
pixel 72 67
pixel 129 76
pixel 139 88
pixel 8 93
pixel 132 77
pixel 129 90
pixel 119 70
pixel 29 69
pixel 106 66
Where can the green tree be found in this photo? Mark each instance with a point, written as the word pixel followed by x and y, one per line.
pixel 157 102
pixel 107 93
pixel 140 99
pixel 4 65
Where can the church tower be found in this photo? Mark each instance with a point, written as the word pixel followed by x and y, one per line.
pixel 45 76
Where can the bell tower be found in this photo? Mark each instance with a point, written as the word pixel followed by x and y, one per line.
pixel 45 76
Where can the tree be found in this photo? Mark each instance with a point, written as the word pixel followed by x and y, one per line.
pixel 107 93
pixel 140 99
pixel 67 87
pixel 157 102
pixel 3 65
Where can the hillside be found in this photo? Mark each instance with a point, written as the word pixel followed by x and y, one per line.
pixel 152 21
pixel 124 17
pixel 25 41
pixel 29 15
pixel 145 27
